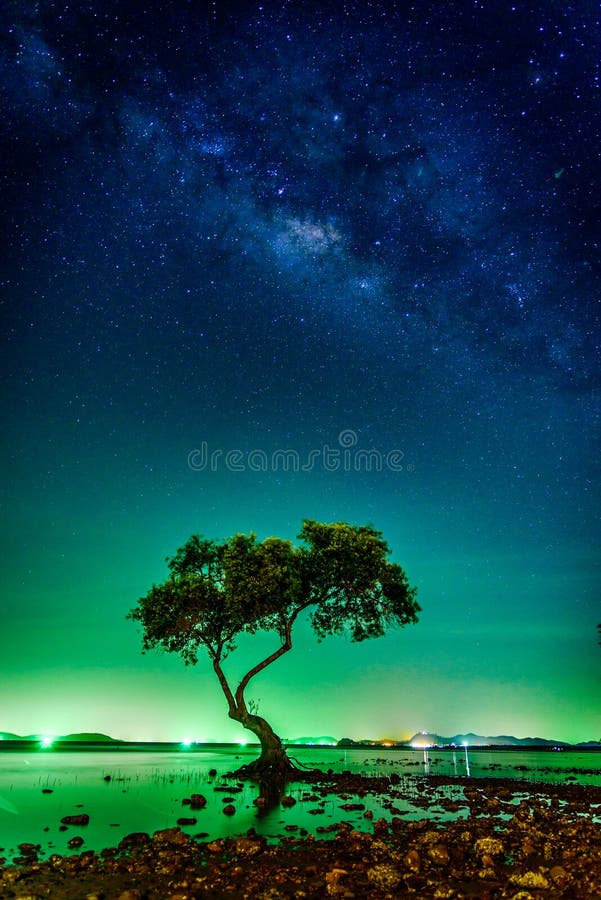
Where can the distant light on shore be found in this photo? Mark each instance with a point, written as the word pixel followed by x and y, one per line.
pixel 46 741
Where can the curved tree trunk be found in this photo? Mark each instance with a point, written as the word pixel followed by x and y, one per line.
pixel 273 761
pixel 273 764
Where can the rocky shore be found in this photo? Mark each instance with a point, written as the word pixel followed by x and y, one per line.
pixel 510 840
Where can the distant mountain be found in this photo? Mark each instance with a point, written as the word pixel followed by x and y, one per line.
pixel 478 740
pixel 323 739
pixel 82 737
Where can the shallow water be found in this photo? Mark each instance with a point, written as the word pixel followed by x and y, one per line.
pixel 142 790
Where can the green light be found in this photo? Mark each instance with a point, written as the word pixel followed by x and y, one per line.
pixel 46 742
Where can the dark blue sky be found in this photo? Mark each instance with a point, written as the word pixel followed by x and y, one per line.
pixel 280 227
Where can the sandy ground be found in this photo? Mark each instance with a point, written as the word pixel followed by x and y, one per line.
pixel 506 844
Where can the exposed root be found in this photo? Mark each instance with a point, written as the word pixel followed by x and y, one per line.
pixel 263 769
pixel 276 769
pixel 301 766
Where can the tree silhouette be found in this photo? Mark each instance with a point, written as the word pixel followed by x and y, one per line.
pixel 339 576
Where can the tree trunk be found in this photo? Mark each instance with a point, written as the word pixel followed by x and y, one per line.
pixel 273 761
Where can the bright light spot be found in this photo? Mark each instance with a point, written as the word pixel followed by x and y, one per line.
pixel 242 743
pixel 46 741
pixel 186 742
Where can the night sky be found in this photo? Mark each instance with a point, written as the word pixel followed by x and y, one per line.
pixel 232 230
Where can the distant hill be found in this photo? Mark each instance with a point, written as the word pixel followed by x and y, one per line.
pixel 82 737
pixel 323 739
pixel 479 740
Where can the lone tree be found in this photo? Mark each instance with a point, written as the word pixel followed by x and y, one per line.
pixel 215 592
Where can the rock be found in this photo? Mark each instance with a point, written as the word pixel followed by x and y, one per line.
pixel 198 801
pixel 250 846
pixel 229 810
pixel 135 839
pixel 381 827
pixel 439 854
pixel 488 846
pixel 528 847
pixel 47 791
pixel 559 876
pixel 288 801
pixel 74 843
pixel 530 880
pixel 413 860
pixel 217 846
pixel 212 772
pixel 333 878
pixel 107 778
pixel 187 821
pixel 79 819
pixel 29 849
pixel 170 836
pixel 11 875
pixel 384 876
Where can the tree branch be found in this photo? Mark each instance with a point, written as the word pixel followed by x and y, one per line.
pixel 224 684
pixel 285 647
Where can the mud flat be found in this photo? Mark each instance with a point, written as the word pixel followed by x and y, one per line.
pixel 506 840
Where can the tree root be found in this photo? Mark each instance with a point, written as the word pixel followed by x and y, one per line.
pixel 282 769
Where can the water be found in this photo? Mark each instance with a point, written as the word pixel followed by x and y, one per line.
pixel 145 788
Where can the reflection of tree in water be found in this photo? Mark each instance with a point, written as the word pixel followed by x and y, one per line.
pixel 271 791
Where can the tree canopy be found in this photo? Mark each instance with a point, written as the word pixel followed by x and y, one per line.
pixel 216 591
